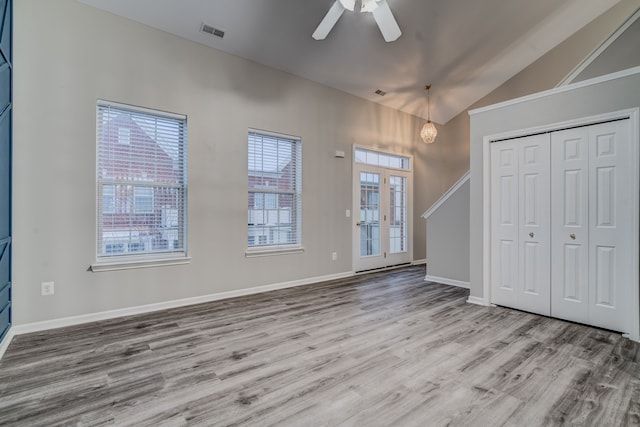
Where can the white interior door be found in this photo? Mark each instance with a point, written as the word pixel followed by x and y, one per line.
pixel 591 271
pixel 561 214
pixel 535 224
pixel 570 225
pixel 382 217
pixel 610 220
pixel 504 223
pixel 520 224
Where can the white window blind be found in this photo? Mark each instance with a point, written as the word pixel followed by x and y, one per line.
pixel 275 190
pixel 141 182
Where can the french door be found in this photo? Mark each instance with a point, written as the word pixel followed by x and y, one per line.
pixel 382 217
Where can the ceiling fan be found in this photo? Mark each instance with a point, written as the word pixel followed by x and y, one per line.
pixel 379 8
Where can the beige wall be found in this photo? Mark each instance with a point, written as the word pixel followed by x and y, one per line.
pixel 543 74
pixel 448 237
pixel 622 53
pixel 67 55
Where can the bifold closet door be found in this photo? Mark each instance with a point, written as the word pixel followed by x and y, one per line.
pixel 570 224
pixel 591 197
pixel 520 223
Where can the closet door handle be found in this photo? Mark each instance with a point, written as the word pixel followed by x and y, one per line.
pixel 573 236
pixel 531 234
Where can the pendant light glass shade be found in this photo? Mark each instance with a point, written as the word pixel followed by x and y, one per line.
pixel 429 131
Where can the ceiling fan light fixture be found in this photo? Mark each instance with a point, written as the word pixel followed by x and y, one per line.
pixel 429 131
pixel 378 8
pixel 348 4
pixel 360 5
pixel 369 5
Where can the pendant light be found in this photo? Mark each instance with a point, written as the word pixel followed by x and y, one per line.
pixel 429 131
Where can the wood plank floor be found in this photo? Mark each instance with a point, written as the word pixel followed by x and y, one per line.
pixel 383 349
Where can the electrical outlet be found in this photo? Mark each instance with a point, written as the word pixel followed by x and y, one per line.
pixel 47 288
pixel 334 256
pixel 348 213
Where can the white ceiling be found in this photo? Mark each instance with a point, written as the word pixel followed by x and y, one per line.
pixel 464 48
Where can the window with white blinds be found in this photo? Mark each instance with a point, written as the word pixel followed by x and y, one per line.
pixel 275 190
pixel 141 182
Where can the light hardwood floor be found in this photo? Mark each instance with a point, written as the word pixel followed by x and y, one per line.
pixel 383 349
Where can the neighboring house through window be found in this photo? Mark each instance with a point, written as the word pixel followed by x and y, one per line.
pixel 275 190
pixel 141 182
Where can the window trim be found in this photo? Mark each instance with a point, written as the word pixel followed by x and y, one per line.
pixel 280 249
pixel 105 262
pixel 260 251
pixel 139 261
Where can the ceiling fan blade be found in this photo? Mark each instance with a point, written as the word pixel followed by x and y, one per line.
pixel 386 22
pixel 328 21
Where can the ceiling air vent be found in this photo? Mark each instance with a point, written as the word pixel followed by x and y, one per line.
pixel 380 92
pixel 204 28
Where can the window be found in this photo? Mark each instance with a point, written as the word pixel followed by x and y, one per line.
pixel 275 190
pixel 385 160
pixel 141 182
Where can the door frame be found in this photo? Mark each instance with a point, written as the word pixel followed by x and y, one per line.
pixel 633 114
pixel 355 212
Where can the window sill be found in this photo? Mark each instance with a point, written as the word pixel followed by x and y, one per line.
pixel 273 250
pixel 131 263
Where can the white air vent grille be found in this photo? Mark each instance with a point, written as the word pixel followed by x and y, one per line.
pixel 208 29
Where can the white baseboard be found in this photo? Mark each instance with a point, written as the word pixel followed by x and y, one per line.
pixel 4 345
pixel 141 309
pixel 419 261
pixel 445 281
pixel 477 301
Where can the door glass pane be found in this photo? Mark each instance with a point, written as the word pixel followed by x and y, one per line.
pixel 397 214
pixel 369 214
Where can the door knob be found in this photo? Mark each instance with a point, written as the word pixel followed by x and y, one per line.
pixel 358 223
pixel 531 234
pixel 573 236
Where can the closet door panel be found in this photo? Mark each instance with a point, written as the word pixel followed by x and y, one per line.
pixel 534 223
pixel 610 220
pixel 504 223
pixel 570 227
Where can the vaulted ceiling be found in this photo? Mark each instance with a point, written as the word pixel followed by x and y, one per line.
pixel 464 48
